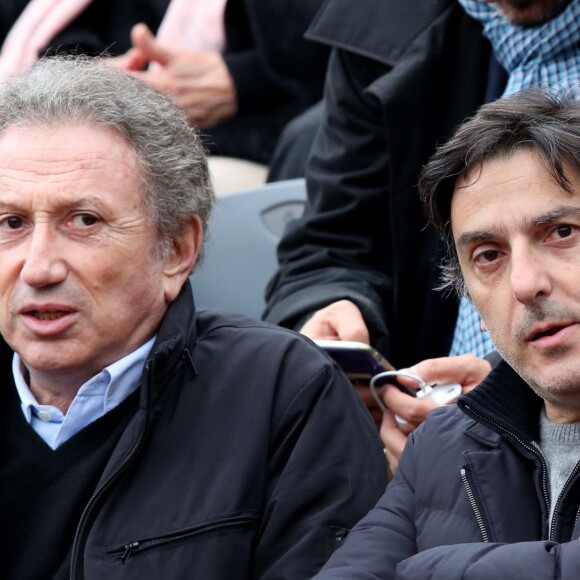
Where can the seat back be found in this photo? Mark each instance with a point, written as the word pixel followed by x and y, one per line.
pixel 240 253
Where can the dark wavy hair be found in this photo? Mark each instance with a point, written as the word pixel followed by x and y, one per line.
pixel 536 119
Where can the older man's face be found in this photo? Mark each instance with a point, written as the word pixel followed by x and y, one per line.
pixel 529 12
pixel 80 283
pixel 518 239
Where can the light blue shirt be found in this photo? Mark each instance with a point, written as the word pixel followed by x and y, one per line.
pixel 99 395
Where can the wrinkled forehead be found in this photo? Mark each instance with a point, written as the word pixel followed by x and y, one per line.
pixel 44 150
pixel 67 162
pixel 510 194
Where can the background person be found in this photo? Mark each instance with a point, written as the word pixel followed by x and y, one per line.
pixel 32 28
pixel 360 264
pixel 243 97
pixel 240 69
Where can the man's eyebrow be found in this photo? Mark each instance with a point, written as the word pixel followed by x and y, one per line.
pixel 95 201
pixel 557 214
pixel 476 237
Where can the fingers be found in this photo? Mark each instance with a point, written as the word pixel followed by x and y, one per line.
pixel 467 370
pixel 369 401
pixel 393 439
pixel 132 60
pixel 144 41
pixel 412 410
pixel 341 320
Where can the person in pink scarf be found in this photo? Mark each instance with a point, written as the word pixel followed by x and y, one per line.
pixel 243 95
pixel 240 69
pixel 32 28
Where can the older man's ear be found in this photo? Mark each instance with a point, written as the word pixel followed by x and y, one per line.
pixel 181 258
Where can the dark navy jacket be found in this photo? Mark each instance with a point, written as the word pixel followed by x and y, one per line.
pixel 250 456
pixel 470 499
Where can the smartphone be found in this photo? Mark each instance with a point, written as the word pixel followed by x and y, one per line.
pixel 358 360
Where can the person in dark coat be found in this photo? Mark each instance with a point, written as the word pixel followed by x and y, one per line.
pixel 362 262
pixel 243 98
pixel 141 438
pixel 402 76
pixel 490 488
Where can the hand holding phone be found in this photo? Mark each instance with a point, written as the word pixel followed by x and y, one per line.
pixel 466 370
pixel 358 360
pixel 441 394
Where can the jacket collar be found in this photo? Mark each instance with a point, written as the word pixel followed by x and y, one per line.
pixel 170 358
pixel 401 23
pixel 505 399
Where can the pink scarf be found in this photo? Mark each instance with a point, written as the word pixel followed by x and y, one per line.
pixel 38 24
pixel 188 25
pixel 194 25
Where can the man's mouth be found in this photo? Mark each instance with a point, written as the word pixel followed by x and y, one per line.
pixel 48 315
pixel 547 331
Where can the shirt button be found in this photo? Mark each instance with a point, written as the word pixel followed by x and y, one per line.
pixel 44 416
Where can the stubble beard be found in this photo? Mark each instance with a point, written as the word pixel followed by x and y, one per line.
pixel 530 13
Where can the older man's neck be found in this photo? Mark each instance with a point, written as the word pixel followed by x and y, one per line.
pixel 55 389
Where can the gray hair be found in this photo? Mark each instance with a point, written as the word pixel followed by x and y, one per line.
pixel 71 89
pixel 534 119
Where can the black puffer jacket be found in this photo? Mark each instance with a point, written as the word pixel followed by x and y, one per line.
pixel 469 500
pixel 249 456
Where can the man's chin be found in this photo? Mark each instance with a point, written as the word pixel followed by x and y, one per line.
pixel 529 13
pixel 558 387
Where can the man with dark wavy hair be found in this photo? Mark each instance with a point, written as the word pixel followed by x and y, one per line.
pixel 491 488
pixel 361 265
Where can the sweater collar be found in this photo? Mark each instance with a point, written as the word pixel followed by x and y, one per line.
pixel 505 399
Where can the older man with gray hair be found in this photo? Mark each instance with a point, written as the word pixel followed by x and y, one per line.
pixel 140 438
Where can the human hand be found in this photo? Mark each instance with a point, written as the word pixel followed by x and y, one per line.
pixel 198 82
pixel 364 392
pixel 132 60
pixel 467 370
pixel 340 320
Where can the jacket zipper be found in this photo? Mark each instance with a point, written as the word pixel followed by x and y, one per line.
pixel 101 489
pixel 530 448
pixel 140 545
pixel 559 501
pixel 474 505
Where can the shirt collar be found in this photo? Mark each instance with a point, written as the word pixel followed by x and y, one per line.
pixel 113 384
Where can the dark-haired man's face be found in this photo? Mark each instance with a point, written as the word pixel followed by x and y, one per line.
pixel 529 12
pixel 517 234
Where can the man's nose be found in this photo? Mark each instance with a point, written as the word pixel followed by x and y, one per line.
pixel 43 263
pixel 530 277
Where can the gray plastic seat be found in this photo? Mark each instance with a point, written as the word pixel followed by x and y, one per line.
pixel 240 253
